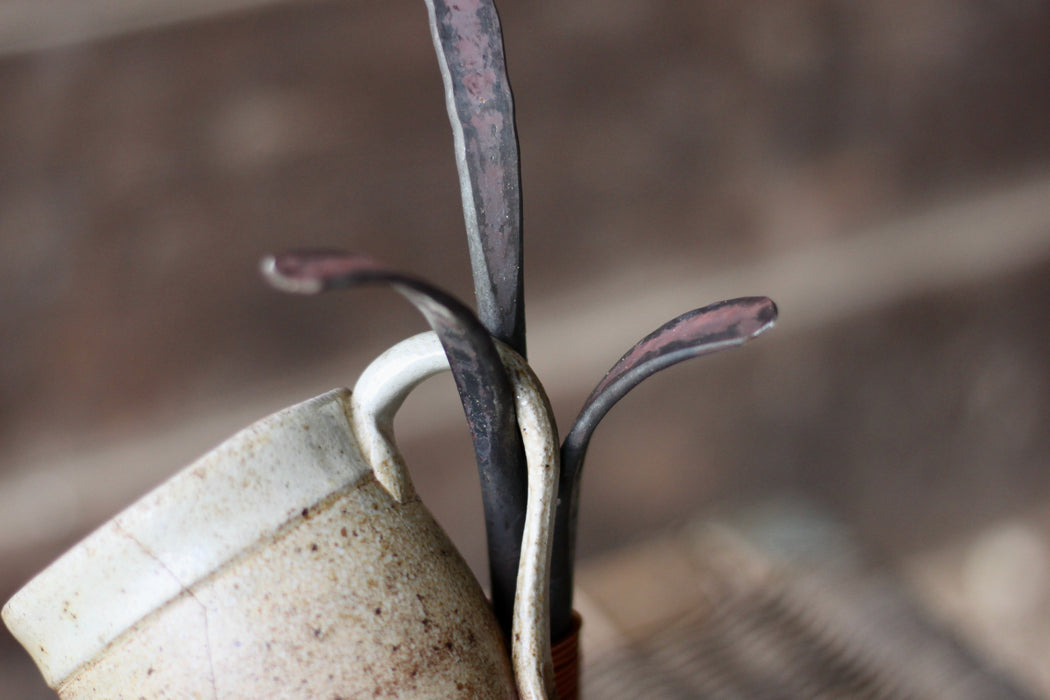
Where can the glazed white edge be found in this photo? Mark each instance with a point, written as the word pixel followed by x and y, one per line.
pixel 212 510
pixel 379 393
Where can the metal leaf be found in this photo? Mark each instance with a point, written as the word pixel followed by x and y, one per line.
pixel 484 390
pixel 699 332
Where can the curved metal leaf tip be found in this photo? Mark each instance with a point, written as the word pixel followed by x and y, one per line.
pixel 695 333
pixel 316 271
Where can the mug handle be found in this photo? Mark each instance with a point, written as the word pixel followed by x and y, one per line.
pixel 377 396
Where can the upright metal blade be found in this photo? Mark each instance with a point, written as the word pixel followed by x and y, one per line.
pixel 469 46
pixel 484 390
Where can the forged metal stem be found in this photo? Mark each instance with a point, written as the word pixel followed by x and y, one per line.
pixel 699 332
pixel 483 385
pixel 469 46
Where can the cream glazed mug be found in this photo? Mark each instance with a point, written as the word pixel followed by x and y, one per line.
pixel 295 561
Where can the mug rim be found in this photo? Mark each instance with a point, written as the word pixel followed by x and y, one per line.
pixel 248 487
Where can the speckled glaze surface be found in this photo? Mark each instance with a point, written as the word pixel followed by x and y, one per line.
pixel 359 597
pixel 280 566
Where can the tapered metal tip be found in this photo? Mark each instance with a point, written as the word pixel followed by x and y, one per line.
pixel 281 276
pixel 767 315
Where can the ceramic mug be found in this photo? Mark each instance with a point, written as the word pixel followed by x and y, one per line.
pixel 295 561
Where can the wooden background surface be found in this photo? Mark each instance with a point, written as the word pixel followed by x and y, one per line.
pixel 881 170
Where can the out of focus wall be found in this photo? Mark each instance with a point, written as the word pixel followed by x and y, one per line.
pixel 881 169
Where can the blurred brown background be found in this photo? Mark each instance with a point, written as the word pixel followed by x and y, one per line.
pixel 881 169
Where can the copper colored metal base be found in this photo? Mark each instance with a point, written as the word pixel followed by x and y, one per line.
pixel 566 654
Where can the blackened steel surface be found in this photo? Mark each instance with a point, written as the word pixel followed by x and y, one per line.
pixel 699 332
pixel 469 46
pixel 483 386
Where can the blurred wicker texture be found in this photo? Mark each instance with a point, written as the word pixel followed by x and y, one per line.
pixel 786 637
